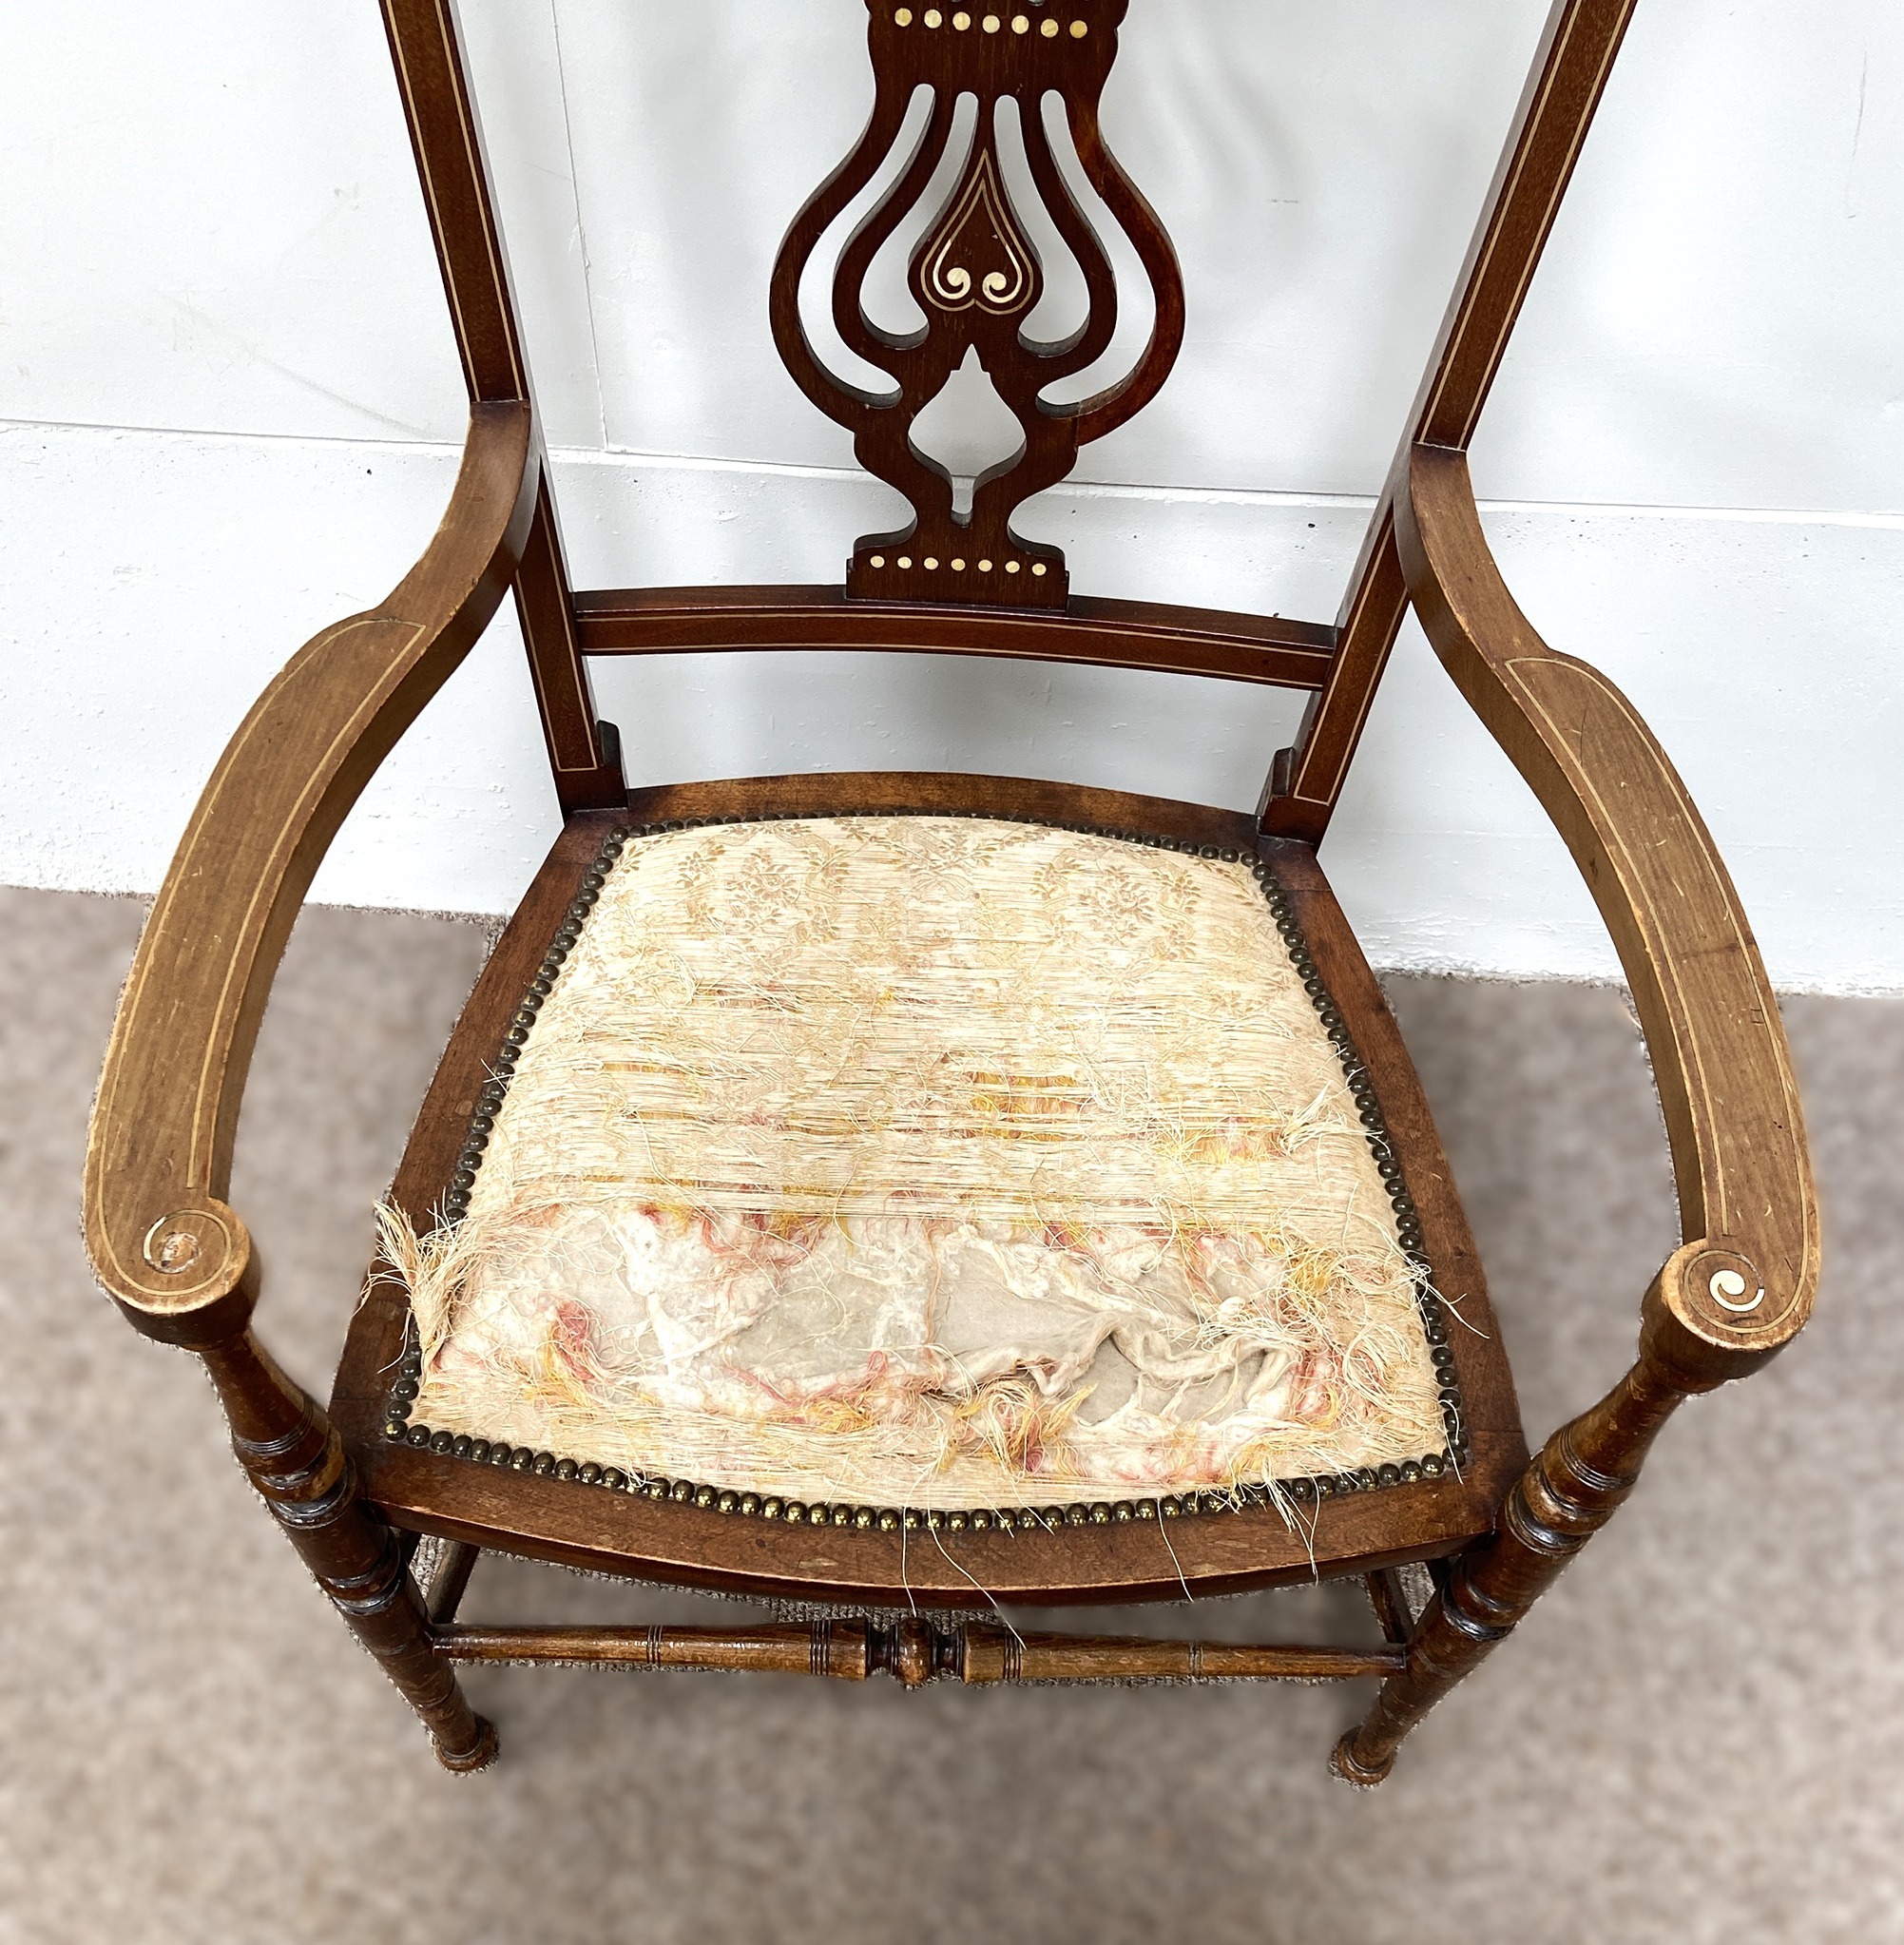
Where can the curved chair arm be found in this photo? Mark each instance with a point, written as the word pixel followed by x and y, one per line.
pixel 162 1240
pixel 1743 1282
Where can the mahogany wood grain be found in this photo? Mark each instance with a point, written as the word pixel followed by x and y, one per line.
pixel 293 1457
pixel 976 279
pixel 1117 634
pixel 1748 1210
pixel 1385 1596
pixel 840 1649
pixel 447 139
pixel 1741 1284
pixel 1577 1482
pixel 450 1582
pixel 618 1533
pixel 161 1238
pixel 975 1653
pixel 999 1654
pixel 1569 73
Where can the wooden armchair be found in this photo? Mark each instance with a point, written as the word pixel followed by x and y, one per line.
pixel 907 1196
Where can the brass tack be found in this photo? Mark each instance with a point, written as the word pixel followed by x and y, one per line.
pixel 792 1512
pixel 981 1521
pixel 750 1505
pixel 1123 1512
pixel 565 1469
pixel 728 1502
pixel 863 1517
pixel 955 1522
pixel 770 1507
pixel 889 1521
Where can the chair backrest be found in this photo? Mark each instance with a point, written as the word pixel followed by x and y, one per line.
pixel 957 579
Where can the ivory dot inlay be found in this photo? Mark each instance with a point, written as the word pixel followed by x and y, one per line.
pixel 1019 24
pixel 934 16
pixel 931 563
pixel 1049 29
pixel 958 566
pixel 902 17
pixel 1037 566
pixel 1011 567
pixel 905 560
pixel 961 21
pixel 1079 29
pixel 879 560
pixel 984 566
pixel 991 23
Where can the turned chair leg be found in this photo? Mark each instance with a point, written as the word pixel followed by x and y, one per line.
pixel 292 1453
pixel 1570 1490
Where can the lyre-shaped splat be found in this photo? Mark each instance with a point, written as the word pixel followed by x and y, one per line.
pixel 976 275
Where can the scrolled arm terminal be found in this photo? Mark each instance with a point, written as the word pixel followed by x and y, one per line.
pixel 1742 1284
pixel 163 1240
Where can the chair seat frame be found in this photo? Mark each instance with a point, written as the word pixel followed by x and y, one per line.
pixel 1496 1529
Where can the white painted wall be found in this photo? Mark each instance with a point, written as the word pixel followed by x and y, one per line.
pixel 231 410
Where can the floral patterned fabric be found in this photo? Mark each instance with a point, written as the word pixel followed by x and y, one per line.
pixel 928 1161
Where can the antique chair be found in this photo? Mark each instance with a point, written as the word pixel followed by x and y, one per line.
pixel 909 1196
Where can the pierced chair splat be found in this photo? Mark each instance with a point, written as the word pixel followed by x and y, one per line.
pixel 890 1194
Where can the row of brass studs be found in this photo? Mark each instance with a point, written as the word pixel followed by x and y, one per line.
pixel 902 16
pixel 1301 1491
pixel 931 565
pixel 888 1519
pixel 1388 1163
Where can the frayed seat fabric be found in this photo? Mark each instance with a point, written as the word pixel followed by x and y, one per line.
pixel 926 1161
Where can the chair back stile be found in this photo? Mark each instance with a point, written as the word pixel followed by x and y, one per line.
pixel 964 582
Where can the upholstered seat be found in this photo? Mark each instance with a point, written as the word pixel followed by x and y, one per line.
pixel 927 1162
pixel 822 1158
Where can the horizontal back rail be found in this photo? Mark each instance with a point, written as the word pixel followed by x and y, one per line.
pixel 1115 634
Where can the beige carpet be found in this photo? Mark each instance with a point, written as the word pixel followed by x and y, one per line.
pixel 1695 1737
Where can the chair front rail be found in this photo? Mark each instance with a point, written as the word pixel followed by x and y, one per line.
pixel 915 1652
pixel 1122 635
pixel 161 1238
